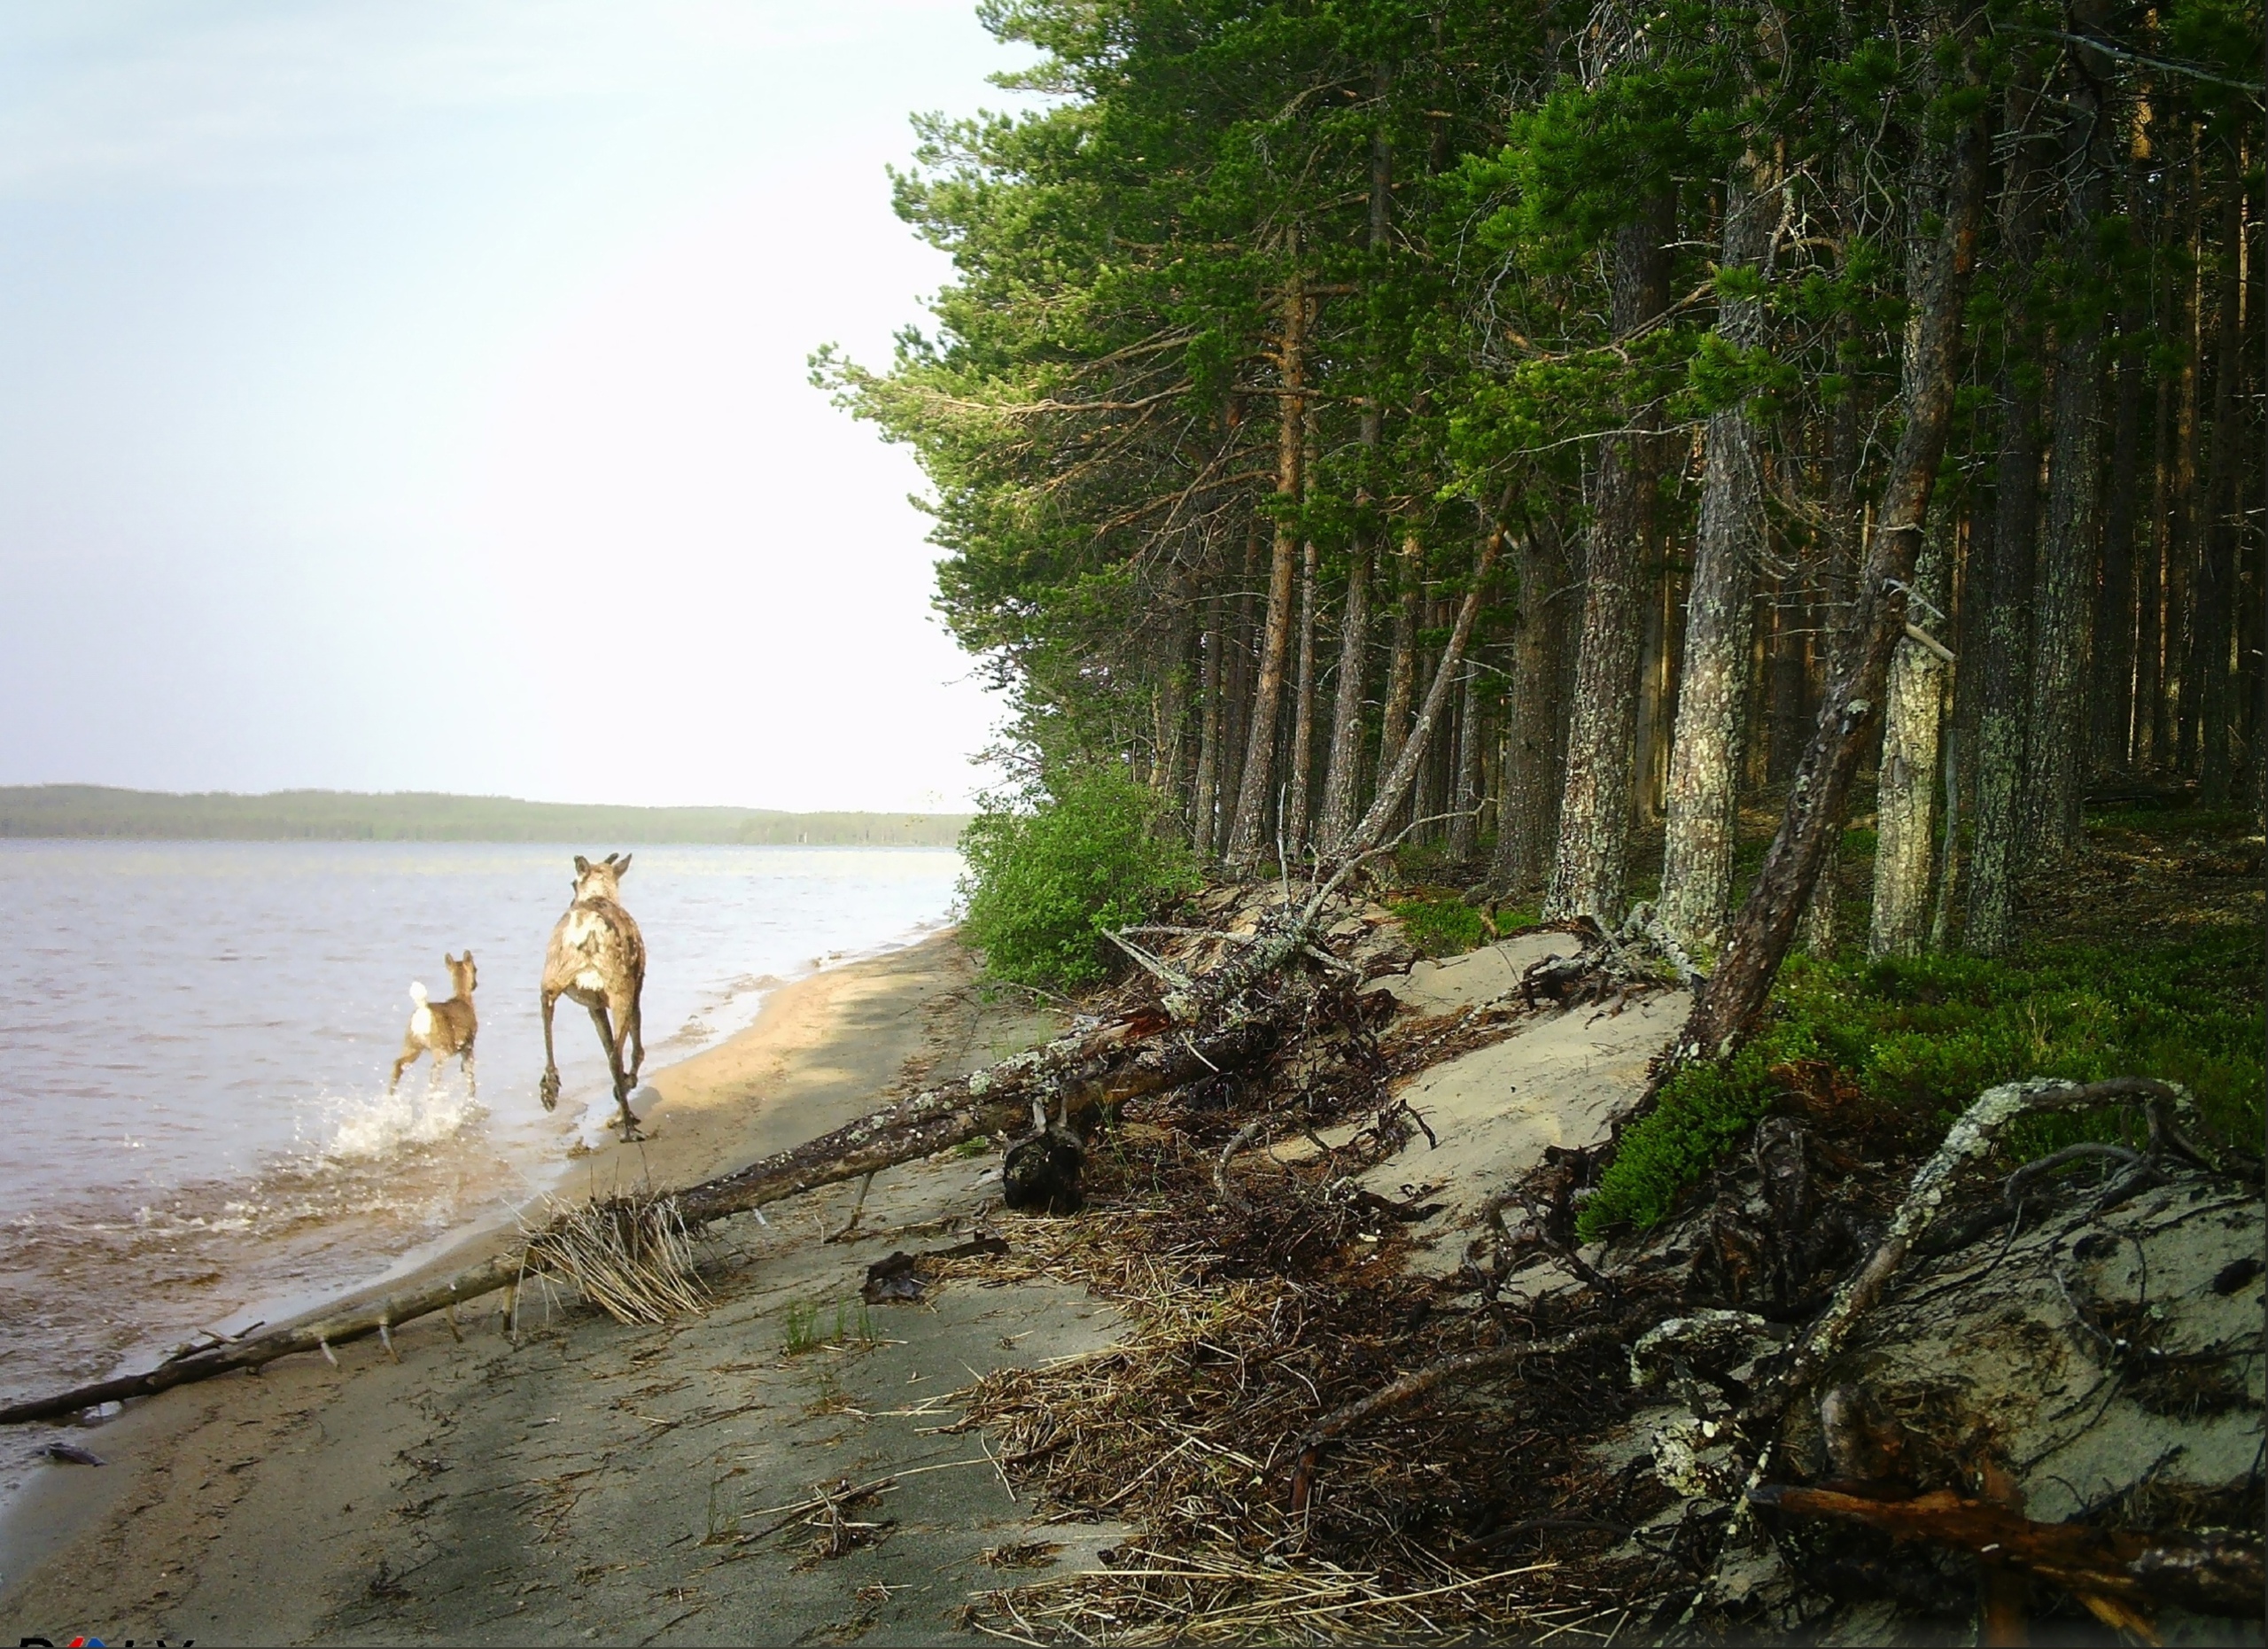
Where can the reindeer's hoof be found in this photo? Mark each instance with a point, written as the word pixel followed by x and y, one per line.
pixel 548 1091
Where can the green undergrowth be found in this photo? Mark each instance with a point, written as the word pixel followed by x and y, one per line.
pixel 1439 924
pixel 1048 881
pixel 1919 1038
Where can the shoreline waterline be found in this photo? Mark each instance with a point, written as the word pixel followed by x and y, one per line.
pixel 278 1205
pixel 42 1505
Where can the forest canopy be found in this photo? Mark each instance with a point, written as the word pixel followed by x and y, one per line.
pixel 1633 412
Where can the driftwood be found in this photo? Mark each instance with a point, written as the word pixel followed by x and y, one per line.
pixel 351 1321
pixel 2211 1573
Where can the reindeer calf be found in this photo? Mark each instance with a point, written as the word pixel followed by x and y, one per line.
pixel 443 1028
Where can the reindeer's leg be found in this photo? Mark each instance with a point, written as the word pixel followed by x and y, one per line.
pixel 464 1064
pixel 409 1053
pixel 549 1090
pixel 629 1118
pixel 633 1038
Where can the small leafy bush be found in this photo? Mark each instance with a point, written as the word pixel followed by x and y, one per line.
pixel 1440 924
pixel 1923 1036
pixel 1046 884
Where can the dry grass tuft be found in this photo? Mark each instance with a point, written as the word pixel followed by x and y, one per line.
pixel 1150 1596
pixel 629 1255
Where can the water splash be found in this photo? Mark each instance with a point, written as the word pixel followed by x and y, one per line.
pixel 356 1128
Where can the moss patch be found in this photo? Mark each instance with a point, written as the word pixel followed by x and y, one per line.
pixel 1441 924
pixel 1921 1037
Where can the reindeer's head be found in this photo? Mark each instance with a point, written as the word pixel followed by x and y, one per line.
pixel 601 881
pixel 464 974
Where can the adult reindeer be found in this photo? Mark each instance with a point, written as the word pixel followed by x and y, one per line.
pixel 598 958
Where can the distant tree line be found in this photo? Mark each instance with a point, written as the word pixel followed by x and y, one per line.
pixel 87 810
pixel 1566 398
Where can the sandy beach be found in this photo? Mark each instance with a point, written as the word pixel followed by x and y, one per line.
pixel 595 1481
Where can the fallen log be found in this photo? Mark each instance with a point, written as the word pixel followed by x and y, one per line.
pixel 335 1327
pixel 2219 1575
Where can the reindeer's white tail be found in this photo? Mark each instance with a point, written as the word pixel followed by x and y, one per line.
pixel 417 992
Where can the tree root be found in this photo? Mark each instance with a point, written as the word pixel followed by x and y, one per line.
pixel 2112 1572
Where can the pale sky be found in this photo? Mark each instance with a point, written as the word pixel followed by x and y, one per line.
pixel 411 394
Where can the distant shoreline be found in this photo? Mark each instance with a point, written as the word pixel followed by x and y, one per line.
pixel 93 812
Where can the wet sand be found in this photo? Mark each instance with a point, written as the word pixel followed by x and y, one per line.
pixel 592 1481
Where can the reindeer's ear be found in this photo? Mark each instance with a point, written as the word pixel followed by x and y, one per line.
pixel 622 864
pixel 582 865
pixel 450 960
pixel 610 859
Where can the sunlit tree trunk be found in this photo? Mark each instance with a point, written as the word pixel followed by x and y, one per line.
pixel 1704 789
pixel 1906 793
pixel 1402 662
pixel 1590 870
pixel 1267 696
pixel 2217 539
pixel 1295 803
pixel 1943 210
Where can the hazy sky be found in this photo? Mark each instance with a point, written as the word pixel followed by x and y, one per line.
pixel 409 394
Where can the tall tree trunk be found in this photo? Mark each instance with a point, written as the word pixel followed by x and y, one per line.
pixel 1295 805
pixel 1402 662
pixel 1343 788
pixel 1394 783
pixel 2189 515
pixel 1944 204
pixel 1169 774
pixel 1529 822
pixel 1906 793
pixel 2151 734
pixel 1999 752
pixel 1238 667
pixel 2056 763
pixel 2112 713
pixel 1466 804
pixel 2217 540
pixel 1205 800
pixel 1704 789
pixel 1790 622
pixel 1268 698
pixel 1590 870
pixel 1846 543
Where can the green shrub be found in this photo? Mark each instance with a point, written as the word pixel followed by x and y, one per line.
pixel 1044 884
pixel 1440 924
pixel 1924 1036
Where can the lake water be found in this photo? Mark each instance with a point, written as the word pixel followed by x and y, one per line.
pixel 201 1034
